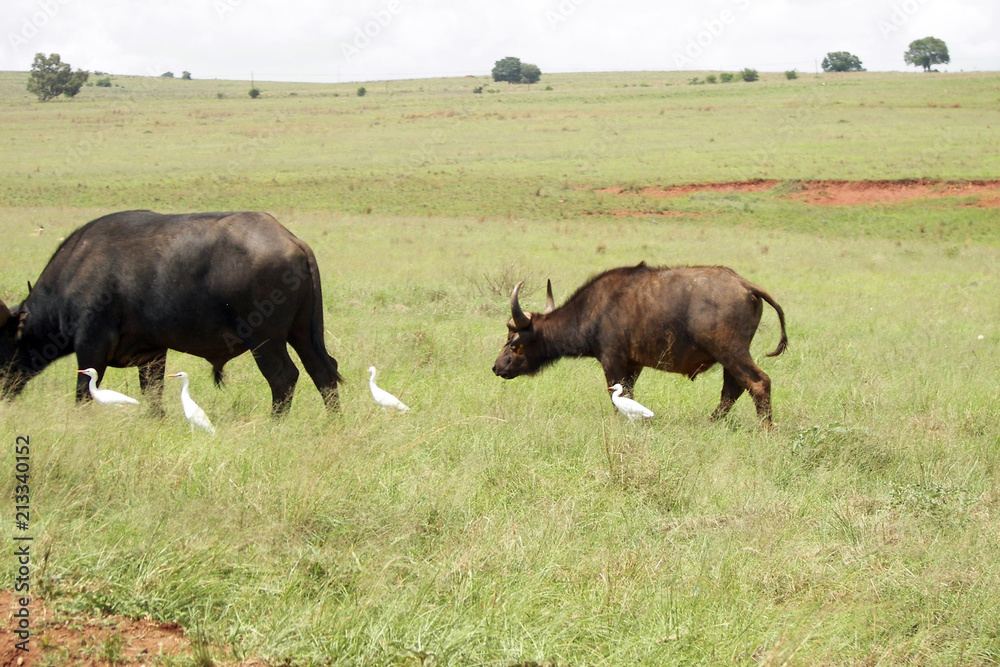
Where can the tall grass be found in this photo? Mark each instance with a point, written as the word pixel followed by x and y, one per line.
pixel 520 522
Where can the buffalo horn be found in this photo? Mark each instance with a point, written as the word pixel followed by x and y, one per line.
pixel 550 303
pixel 29 287
pixel 520 320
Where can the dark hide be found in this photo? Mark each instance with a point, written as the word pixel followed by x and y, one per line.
pixel 123 289
pixel 681 320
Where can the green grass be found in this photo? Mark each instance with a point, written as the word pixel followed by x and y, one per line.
pixel 519 522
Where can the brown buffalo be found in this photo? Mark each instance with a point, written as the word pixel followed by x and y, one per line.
pixel 681 320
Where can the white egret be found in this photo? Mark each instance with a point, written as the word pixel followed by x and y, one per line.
pixel 382 397
pixel 194 414
pixel 106 396
pixel 628 407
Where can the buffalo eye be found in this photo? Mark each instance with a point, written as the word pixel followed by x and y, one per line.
pixel 518 350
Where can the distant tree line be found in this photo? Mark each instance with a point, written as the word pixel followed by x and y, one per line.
pixel 50 77
pixel 925 53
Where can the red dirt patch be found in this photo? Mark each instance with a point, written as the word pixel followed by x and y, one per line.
pixel 840 193
pixel 851 193
pixel 85 640
pixel 79 639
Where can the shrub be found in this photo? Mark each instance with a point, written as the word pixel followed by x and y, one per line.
pixel 478 90
pixel 186 75
pixel 749 75
pixel 255 93
pixel 711 79
pixel 167 75
pixel 530 73
pixel 104 83
pixel 791 74
pixel 361 91
pixel 726 77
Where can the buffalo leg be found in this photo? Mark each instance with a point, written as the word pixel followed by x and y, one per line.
pixel 218 375
pixel 628 384
pixel 624 374
pixel 731 390
pixel 151 382
pixel 755 381
pixel 279 371
pixel 320 366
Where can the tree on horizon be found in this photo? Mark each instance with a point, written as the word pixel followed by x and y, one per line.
pixel 842 61
pixel 50 77
pixel 927 52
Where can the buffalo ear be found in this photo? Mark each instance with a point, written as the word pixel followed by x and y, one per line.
pixel 4 314
pixel 23 315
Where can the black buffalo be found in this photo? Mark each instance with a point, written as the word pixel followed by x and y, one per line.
pixel 123 289
pixel 682 320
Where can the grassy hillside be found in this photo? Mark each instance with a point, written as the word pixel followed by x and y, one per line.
pixel 523 522
pixel 522 151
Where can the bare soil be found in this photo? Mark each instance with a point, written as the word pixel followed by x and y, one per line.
pixel 86 640
pixel 841 193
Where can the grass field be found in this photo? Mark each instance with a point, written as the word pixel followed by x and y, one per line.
pixel 523 522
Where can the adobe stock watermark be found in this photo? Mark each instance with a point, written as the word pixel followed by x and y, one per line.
pixel 34 22
pixel 562 12
pixel 599 148
pixel 712 30
pixel 120 111
pixel 427 151
pixel 901 13
pixel 364 34
pixel 784 130
pixel 225 7
pixel 248 323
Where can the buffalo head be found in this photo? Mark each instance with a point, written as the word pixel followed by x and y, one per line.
pixel 12 375
pixel 525 352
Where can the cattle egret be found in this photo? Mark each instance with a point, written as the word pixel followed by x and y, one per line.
pixel 628 407
pixel 382 397
pixel 194 414
pixel 106 396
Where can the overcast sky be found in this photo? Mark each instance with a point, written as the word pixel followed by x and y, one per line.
pixel 369 40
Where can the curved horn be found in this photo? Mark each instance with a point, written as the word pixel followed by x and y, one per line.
pixel 550 303
pixel 521 321
pixel 29 287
